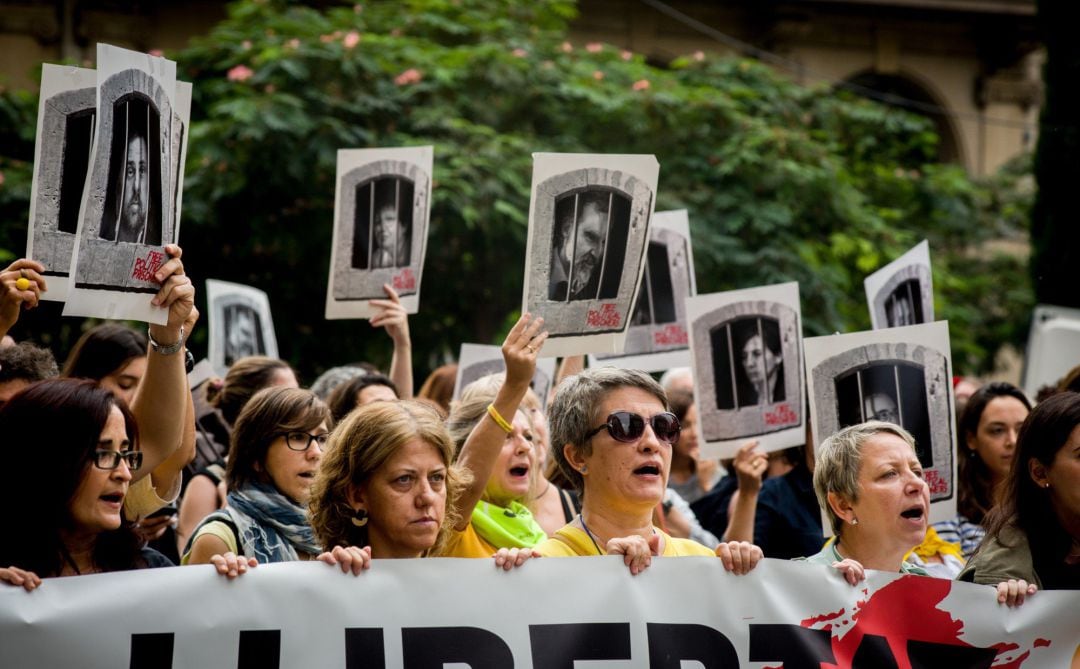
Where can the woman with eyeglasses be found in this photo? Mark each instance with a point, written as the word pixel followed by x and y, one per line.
pixel 69 521
pixel 276 445
pixel 612 435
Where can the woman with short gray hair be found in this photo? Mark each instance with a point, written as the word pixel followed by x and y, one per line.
pixel 869 481
pixel 612 435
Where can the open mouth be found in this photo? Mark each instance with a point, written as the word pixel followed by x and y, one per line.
pixel 113 497
pixel 647 470
pixel 519 471
pixel 307 475
pixel 914 513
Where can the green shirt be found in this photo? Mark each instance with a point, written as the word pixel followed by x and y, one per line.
pixel 828 555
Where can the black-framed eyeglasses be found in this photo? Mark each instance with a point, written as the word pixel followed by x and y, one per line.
pixel 627 427
pixel 301 441
pixel 106 459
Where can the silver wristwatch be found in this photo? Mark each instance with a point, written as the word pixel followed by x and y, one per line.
pixel 171 348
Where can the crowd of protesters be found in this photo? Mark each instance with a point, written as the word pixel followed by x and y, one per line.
pixel 252 468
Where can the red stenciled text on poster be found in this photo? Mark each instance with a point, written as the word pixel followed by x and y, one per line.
pixel 607 316
pixel 935 482
pixel 146 267
pixel 783 415
pixel 405 280
pixel 671 335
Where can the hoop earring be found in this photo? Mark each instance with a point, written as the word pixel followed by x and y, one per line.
pixel 359 518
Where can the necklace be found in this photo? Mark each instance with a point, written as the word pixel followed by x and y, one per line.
pixel 591 537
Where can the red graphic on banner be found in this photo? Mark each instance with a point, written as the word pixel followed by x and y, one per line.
pixel 902 611
pixel 405 280
pixel 145 267
pixel 671 335
pixel 783 415
pixel 936 483
pixel 607 317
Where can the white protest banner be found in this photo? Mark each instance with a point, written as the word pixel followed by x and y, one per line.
pixel 476 361
pixel 546 615
pixel 902 292
pixel 240 323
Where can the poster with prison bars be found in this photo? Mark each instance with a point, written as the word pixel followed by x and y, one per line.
pixel 902 292
pixel 746 350
pixel 381 211
pixel 589 218
pixel 476 361
pixel 658 338
pixel 900 375
pixel 127 214
pixel 65 141
pixel 240 324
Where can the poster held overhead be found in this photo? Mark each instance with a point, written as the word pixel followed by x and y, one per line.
pixel 381 210
pixel 478 360
pixel 588 231
pixel 65 141
pixel 657 338
pixel 899 375
pixel 127 214
pixel 1053 346
pixel 746 348
pixel 902 292
pixel 240 324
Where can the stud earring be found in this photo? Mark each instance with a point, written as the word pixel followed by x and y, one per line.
pixel 359 518
pixel 854 521
pixel 585 469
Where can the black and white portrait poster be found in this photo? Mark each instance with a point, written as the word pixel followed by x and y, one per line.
pixel 902 292
pixel 589 221
pixel 746 349
pixel 381 211
pixel 899 375
pixel 128 207
pixel 1053 347
pixel 240 324
pixel 476 361
pixel 658 338
pixel 65 142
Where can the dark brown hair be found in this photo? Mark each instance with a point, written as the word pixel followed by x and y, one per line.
pixel 246 377
pixel 58 422
pixel 271 412
pixel 102 350
pixel 346 396
pixel 974 497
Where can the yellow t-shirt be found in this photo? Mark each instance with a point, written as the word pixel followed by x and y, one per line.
pixel 467 544
pixel 571 541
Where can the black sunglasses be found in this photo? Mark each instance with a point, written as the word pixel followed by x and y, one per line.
pixel 628 427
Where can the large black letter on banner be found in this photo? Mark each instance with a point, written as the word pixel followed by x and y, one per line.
pixel 432 647
pixel 926 655
pixel 364 648
pixel 259 649
pixel 669 645
pixel 151 651
pixel 557 646
pixel 797 647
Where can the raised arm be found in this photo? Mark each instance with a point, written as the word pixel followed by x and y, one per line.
pixel 396 322
pixel 162 402
pixel 750 465
pixel 481 449
pixel 21 285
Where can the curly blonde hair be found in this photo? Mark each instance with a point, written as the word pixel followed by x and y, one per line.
pixel 358 447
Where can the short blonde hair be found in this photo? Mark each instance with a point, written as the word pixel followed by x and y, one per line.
pixel 838 459
pixel 363 442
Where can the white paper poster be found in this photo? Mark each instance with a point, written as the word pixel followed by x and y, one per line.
pixel 240 324
pixel 589 219
pixel 902 292
pixel 381 211
pixel 1053 347
pixel 746 347
pixel 478 360
pixel 899 375
pixel 658 338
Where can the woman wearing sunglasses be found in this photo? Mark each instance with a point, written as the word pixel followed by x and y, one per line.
pixel 276 445
pixel 69 521
pixel 612 435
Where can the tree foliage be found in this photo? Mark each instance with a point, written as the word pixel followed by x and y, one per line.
pixel 782 182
